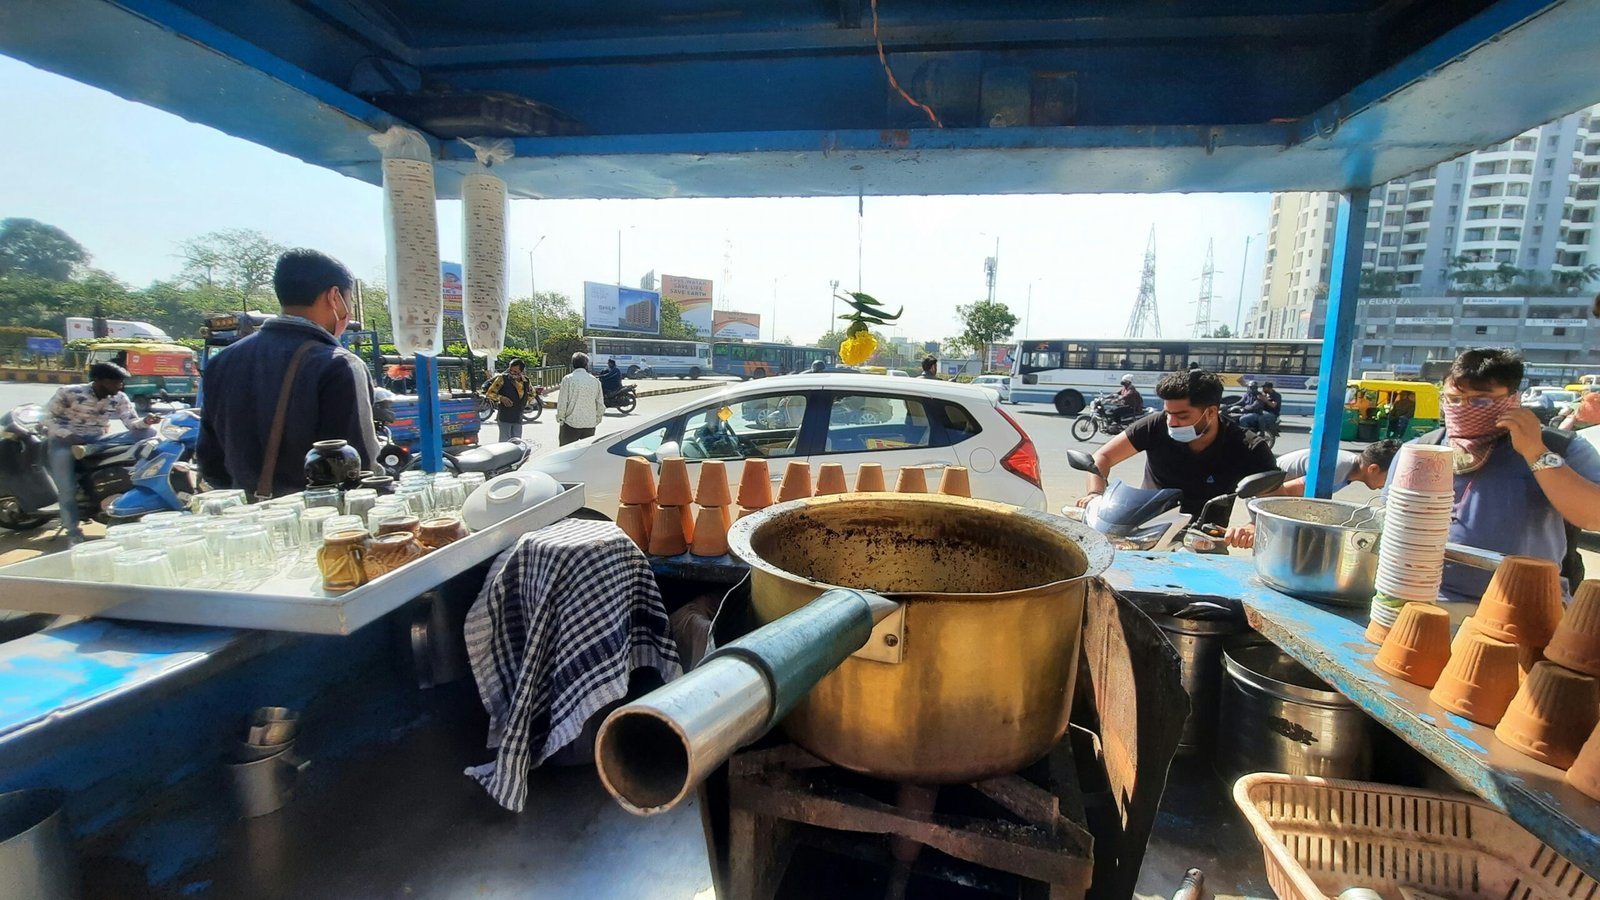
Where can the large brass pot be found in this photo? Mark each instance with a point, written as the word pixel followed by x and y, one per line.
pixel 993 600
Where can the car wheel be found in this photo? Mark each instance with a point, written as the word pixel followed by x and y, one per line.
pixel 694 372
pixel 1084 427
pixel 13 516
pixel 1069 403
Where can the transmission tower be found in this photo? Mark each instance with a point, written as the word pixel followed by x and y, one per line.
pixel 1202 304
pixel 1145 312
pixel 726 294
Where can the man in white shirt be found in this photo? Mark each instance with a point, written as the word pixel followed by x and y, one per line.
pixel 1369 467
pixel 580 402
pixel 79 417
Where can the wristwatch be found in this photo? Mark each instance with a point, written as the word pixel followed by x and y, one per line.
pixel 1547 461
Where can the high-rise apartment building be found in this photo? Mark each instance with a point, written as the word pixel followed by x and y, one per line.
pixel 1521 214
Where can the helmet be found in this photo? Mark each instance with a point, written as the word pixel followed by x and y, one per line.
pixel 1127 379
pixel 1250 384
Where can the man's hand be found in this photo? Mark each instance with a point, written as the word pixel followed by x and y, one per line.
pixel 1589 408
pixel 1242 537
pixel 1084 500
pixel 1527 437
pixel 152 420
pixel 505 401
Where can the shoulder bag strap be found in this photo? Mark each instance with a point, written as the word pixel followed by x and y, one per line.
pixel 269 465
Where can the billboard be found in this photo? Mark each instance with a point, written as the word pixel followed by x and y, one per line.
pixel 450 287
pixel 1000 357
pixel 613 308
pixel 694 299
pixel 738 326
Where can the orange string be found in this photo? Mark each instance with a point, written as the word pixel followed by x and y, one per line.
pixel 893 82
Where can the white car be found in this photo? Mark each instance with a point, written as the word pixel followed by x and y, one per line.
pixel 821 418
pixel 999 383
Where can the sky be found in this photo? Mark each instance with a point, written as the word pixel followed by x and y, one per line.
pixel 131 182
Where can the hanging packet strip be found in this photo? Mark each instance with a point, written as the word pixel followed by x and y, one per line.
pixel 483 235
pixel 411 228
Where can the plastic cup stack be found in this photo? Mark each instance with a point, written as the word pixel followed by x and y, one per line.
pixel 1416 528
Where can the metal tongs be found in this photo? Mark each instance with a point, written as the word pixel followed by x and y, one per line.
pixel 1369 508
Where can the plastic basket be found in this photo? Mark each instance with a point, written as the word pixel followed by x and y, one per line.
pixel 1322 837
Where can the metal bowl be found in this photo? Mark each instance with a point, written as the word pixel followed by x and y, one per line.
pixel 1304 549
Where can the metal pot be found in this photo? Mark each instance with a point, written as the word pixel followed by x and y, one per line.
pixel 974 676
pixel 36 859
pixel 1198 632
pixel 1278 717
pixel 1303 548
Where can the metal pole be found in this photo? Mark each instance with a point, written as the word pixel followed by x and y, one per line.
pixel 1238 309
pixel 1337 338
pixel 432 443
pixel 833 296
pixel 619 257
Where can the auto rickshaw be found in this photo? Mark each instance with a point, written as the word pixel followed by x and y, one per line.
pixel 157 370
pixel 1585 383
pixel 1367 403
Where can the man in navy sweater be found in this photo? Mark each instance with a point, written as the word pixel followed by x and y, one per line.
pixel 330 397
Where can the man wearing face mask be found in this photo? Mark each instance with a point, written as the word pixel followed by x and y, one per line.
pixel 1189 445
pixel 287 386
pixel 1518 486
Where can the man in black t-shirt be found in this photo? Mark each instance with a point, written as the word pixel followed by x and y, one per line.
pixel 1189 445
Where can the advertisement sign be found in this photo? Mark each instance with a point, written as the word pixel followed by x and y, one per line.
pixel 613 308
pixel 694 299
pixel 43 346
pixel 738 326
pixel 1492 301
pixel 1557 323
pixel 1424 320
pixel 143 362
pixel 1000 357
pixel 450 288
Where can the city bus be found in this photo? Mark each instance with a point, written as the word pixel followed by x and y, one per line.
pixel 651 356
pixel 1070 372
pixel 746 358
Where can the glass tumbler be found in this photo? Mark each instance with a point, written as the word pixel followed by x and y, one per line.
pixel 296 502
pixel 323 496
pixel 192 562
pixel 212 503
pixel 95 560
pixel 283 530
pixel 130 535
pixel 311 522
pixel 167 517
pixel 148 568
pixel 359 501
pixel 471 480
pixel 336 524
pixel 247 557
pixel 449 495
pixel 245 515
pixel 417 496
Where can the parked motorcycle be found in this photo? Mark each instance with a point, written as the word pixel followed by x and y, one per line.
pixel 159 467
pixel 490 459
pixel 535 408
pixel 625 398
pixel 1236 411
pixel 1103 414
pixel 1135 518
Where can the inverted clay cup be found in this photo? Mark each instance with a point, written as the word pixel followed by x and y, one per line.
pixel 1480 679
pixel 634 520
pixel 1552 714
pixel 1376 632
pixel 1523 601
pixel 869 477
pixel 666 532
pixel 911 480
pixel 1577 641
pixel 1418 646
pixel 755 485
pixel 796 481
pixel 713 488
pixel 710 533
pixel 674 488
pixel 638 482
pixel 954 482
pixel 830 479
pixel 1468 628
pixel 1585 772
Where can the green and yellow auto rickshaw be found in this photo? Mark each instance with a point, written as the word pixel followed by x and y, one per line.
pixel 1368 405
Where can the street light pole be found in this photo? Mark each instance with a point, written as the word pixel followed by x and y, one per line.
pixel 1238 308
pixel 833 296
pixel 533 298
pixel 619 257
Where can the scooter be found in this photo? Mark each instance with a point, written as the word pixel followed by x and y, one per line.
pixel 1235 411
pixel 1135 518
pixel 27 493
pixel 624 398
pixel 164 477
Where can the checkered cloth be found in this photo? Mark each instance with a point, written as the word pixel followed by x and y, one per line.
pixel 562 620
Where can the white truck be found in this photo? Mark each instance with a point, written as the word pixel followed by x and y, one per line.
pixel 82 327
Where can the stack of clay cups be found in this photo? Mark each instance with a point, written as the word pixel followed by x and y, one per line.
pixel 638 498
pixel 716 504
pixel 673 527
pixel 1481 677
pixel 1415 530
pixel 1554 712
pixel 755 487
pixel 1522 605
pixel 1576 647
pixel 1417 648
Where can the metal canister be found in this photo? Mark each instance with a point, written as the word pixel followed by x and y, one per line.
pixel 1198 632
pixel 1276 716
pixel 36 860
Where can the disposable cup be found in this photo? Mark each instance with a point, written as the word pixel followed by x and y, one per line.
pixel 1425 468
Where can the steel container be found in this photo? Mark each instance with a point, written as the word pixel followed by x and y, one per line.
pixel 36 860
pixel 1304 549
pixel 1198 632
pixel 974 676
pixel 1276 716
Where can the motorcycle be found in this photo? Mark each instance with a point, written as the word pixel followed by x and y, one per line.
pixel 1103 414
pixel 1236 411
pixel 1135 518
pixel 160 467
pixel 534 409
pixel 625 398
pixel 490 459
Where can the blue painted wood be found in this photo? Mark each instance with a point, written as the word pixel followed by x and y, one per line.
pixel 1337 338
pixel 1332 645
pixel 431 445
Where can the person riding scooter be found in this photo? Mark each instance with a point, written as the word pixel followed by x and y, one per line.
pixel 610 378
pixel 79 424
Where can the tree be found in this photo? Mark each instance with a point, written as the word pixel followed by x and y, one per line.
pixel 1221 331
pixel 831 339
pixel 673 327
pixel 1575 279
pixel 985 322
pixel 30 247
pixel 1378 284
pixel 1506 274
pixel 955 348
pixel 240 259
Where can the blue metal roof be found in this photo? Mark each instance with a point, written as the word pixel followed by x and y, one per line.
pixel 672 98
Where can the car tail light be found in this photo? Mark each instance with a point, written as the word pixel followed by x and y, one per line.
pixel 1023 460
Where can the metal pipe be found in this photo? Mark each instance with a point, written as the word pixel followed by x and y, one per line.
pixel 1472 556
pixel 652 753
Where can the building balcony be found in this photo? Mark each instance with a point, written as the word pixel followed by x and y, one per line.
pixel 1410 267
pixel 1415 245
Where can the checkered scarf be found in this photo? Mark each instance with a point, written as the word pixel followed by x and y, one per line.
pixel 1473 431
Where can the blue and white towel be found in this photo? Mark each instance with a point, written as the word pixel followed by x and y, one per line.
pixel 562 620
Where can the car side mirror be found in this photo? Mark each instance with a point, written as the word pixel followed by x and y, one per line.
pixel 1261 483
pixel 1081 461
pixel 666 451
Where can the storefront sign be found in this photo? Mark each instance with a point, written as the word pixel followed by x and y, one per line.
pixel 1493 301
pixel 1424 320
pixel 1557 323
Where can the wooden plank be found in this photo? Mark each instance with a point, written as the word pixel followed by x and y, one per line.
pixel 1330 642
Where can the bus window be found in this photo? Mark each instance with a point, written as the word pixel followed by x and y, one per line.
pixel 1041 359
pixel 1078 356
